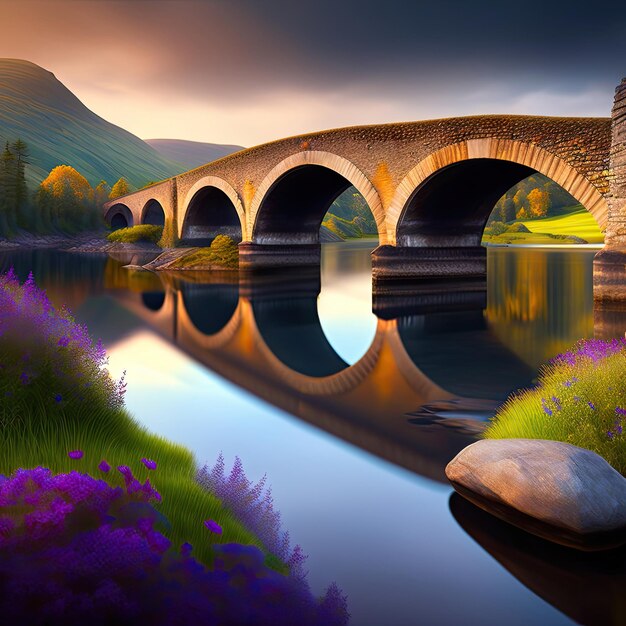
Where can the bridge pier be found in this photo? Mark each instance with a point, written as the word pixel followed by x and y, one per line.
pixel 609 265
pixel 402 275
pixel 253 256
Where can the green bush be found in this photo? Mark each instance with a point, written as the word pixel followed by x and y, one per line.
pixel 223 252
pixel 496 228
pixel 580 399
pixel 517 228
pixel 134 234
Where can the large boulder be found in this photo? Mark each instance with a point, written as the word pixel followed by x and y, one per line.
pixel 555 490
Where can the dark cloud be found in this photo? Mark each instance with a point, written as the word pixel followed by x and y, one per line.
pixel 235 53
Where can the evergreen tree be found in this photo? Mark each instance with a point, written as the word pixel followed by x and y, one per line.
pixel 7 191
pixel 20 153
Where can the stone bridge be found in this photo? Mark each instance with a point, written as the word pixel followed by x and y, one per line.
pixel 430 185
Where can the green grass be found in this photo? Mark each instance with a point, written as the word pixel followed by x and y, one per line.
pixel 36 431
pixel 134 234
pixel 558 408
pixel 223 253
pixel 578 222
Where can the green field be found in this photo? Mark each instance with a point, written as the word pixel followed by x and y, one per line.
pixel 554 230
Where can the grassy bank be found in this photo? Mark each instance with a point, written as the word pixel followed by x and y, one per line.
pixel 579 399
pixel 56 395
pixel 577 223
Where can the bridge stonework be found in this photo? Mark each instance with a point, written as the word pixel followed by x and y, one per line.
pixel 609 268
pixel 408 173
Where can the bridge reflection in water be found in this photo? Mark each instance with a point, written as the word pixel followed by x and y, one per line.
pixel 422 390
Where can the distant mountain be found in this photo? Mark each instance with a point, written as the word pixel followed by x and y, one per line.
pixel 191 153
pixel 60 130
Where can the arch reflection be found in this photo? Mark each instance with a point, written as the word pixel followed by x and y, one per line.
pixel 153 300
pixel 210 307
pixel 289 324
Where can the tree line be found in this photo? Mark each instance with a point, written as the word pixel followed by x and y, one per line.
pixel 64 201
pixel 534 197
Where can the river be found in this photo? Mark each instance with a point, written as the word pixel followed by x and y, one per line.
pixel 353 417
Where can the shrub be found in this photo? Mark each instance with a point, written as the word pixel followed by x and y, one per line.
pixel 517 228
pixel 223 253
pixel 580 399
pixel 134 234
pixel 496 228
pixel 75 550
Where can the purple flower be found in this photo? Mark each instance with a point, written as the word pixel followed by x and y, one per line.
pixel 64 341
pixel 592 406
pixel 58 398
pixel 151 465
pixel 609 434
pixel 213 526
pixel 24 378
pixel 620 411
pixel 546 409
pixel 75 454
pixel 557 403
pixel 104 466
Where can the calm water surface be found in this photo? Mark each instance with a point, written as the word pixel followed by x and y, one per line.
pixel 354 418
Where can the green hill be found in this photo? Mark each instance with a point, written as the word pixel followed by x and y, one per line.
pixel 350 217
pixel 60 130
pixel 191 153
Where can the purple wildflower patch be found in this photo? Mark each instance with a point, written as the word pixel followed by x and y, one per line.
pixel 73 548
pixel 592 350
pixel 75 454
pixel 32 332
pixel 253 505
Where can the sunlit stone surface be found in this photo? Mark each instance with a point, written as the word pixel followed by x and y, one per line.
pixel 572 490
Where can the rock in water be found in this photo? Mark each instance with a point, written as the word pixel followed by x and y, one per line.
pixel 555 490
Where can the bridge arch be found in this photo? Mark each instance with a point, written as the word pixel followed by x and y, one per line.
pixel 311 180
pixel 212 207
pixel 439 180
pixel 153 213
pixel 119 216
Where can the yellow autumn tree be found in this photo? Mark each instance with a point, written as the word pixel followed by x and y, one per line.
pixel 65 200
pixel 121 188
pixel 101 193
pixel 538 202
pixel 63 179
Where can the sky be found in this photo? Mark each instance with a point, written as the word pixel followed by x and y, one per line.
pixel 249 71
